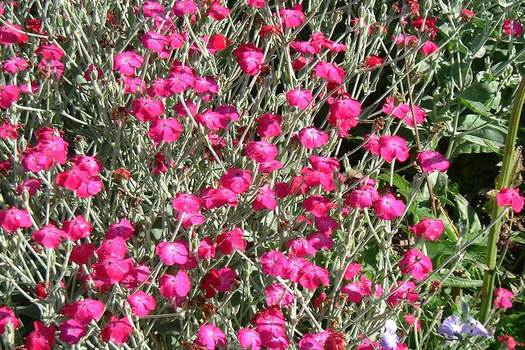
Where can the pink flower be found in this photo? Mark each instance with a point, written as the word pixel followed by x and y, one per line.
pixel 186 203
pixel 167 130
pixel 508 197
pixel 206 248
pixel 14 65
pixel 415 263
pixel 330 72
pixel 50 52
pixel 292 17
pixel 393 147
pixel 388 207
pixel 42 338
pixel 249 338
pixel 8 95
pixel 269 125
pixel 256 3
pixel 9 131
pixel 112 269
pixel 172 253
pixel 311 138
pixel 512 27
pixel 50 67
pixel 172 286
pixel 318 205
pixel 71 331
pixel 300 247
pixel 372 144
pixel 273 263
pixel 250 58
pixel 84 311
pixel 154 41
pixel 352 271
pixel 12 33
pixel 312 276
pixel 216 198
pixel 299 98
pixel 117 331
pixel 152 9
pixel 81 253
pixel 403 291
pixel 362 197
pixel 210 336
pixel 276 294
pixel 261 151
pixel 141 303
pixel 126 62
pixel 77 228
pixel 217 11
pixel 7 316
pixel 503 298
pixel 49 236
pixel 182 8
pixel 122 229
pixel 32 186
pixel 232 240
pixel 432 161
pixel 429 48
pixel 14 218
pixel 147 109
pixel 265 199
pixel 237 180
pixel 430 229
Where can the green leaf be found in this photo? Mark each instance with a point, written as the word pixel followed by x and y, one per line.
pixel 479 92
pixel 468 217
pixel 454 281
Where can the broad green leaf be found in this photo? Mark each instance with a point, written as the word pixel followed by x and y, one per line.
pixel 454 281
pixel 468 217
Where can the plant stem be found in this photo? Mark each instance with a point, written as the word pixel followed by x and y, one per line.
pixel 505 179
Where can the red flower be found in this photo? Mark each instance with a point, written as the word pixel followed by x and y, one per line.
pixel 265 199
pixel 7 316
pixel 373 61
pixel 503 298
pixel 154 41
pixel 42 338
pixel 147 109
pixel 230 241
pixel 510 197
pixel 250 58
pixel 14 218
pixel 417 264
pixel 237 180
pixel 430 229
pixel 269 125
pixel 318 205
pixel 217 11
pixel 117 331
pixel 8 95
pixel 77 228
pixel 71 331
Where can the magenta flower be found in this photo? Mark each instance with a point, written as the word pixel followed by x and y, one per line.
pixel 206 248
pixel 311 138
pixel 147 109
pixel 318 205
pixel 32 186
pixel 403 291
pixel 184 7
pixel 393 147
pixel 154 41
pixel 81 253
pixel 430 229
pixel 117 331
pixel 141 303
pixel 312 276
pixel 7 316
pixel 172 286
pixel 237 180
pixel 71 331
pixel 42 338
pixel 14 65
pixel 14 218
pixel 250 58
pixel 388 207
pixel 417 264
pixel 8 95
pixel 186 203
pixel 269 125
pixel 510 197
pixel 431 161
pixel 276 294
pixel 217 11
pixel 292 17
pixel 212 120
pixel 429 48
pixel 256 3
pixel 112 269
pixel 300 247
pixel 265 199
pixel 274 263
pixel 503 298
pixel 512 27
pixel 167 130
pixel 49 236
pixel 172 253
pixel 210 336
pixel 84 311
pixel 249 338
pixel 299 98
pixel 330 72
pixel 50 52
pixel 261 151
pixel 77 228
pixel 352 270
pixel 122 229
pixel 126 62
pixel 229 241
pixel 51 67
pixel 362 197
